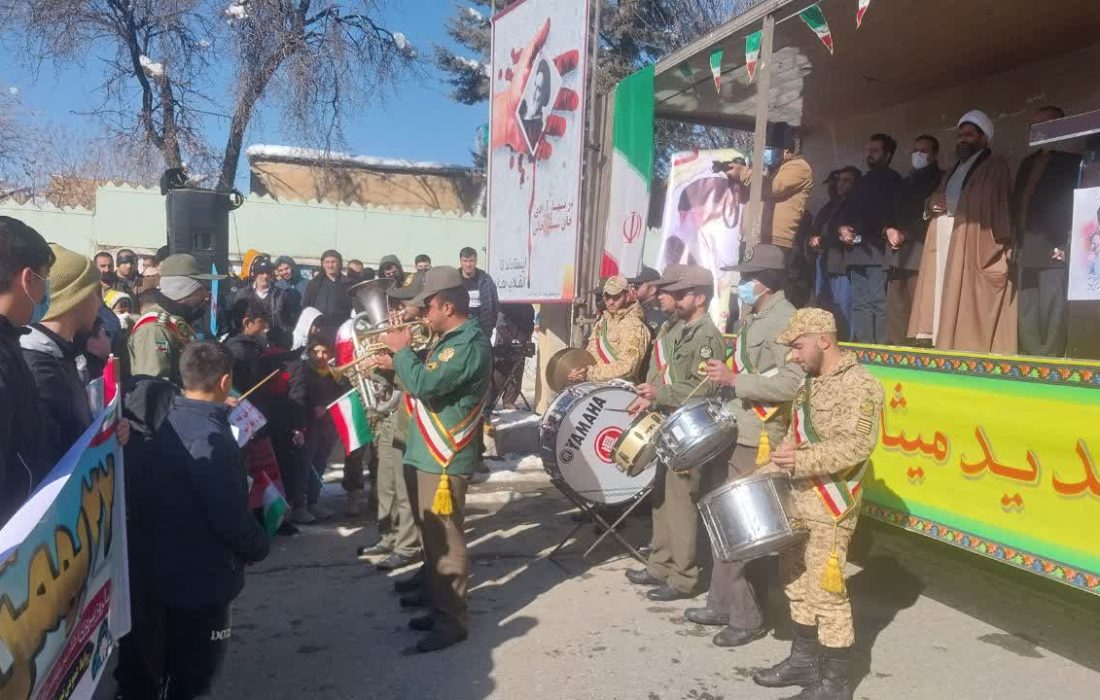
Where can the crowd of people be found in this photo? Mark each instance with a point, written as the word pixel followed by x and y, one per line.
pixel 195 496
pixel 955 254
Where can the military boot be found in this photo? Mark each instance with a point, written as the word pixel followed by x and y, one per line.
pixel 835 682
pixel 802 667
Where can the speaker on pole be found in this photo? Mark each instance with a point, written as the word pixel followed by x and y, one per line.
pixel 198 223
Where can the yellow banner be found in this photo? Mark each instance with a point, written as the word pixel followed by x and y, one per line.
pixel 995 455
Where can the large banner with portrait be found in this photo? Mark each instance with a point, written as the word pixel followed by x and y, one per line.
pixel 536 148
pixel 1084 247
pixel 64 584
pixel 702 220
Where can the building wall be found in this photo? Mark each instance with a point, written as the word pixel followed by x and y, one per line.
pixel 456 191
pixel 1009 98
pixel 135 218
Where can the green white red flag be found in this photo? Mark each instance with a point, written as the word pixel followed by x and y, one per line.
pixel 631 175
pixel 350 418
pixel 815 20
pixel 860 11
pixel 752 52
pixel 274 505
pixel 716 68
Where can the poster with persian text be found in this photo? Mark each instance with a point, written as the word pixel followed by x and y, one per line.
pixel 539 64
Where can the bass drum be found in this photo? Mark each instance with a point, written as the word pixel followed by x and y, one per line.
pixel 578 438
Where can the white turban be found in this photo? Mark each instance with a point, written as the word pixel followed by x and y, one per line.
pixel 979 119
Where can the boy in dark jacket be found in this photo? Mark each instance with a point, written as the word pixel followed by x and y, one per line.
pixel 195 524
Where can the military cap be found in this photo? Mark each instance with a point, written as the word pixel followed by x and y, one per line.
pixel 761 257
pixel 808 320
pixel 614 285
pixel 690 277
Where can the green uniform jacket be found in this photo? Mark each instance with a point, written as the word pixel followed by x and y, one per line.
pixel 452 385
pixel 766 355
pixel 155 347
pixel 695 343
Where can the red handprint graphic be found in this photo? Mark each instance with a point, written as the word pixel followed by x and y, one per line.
pixel 524 124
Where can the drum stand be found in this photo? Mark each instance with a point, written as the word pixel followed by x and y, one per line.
pixel 591 514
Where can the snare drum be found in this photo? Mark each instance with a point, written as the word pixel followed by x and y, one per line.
pixel 578 437
pixel 695 434
pixel 636 449
pixel 751 517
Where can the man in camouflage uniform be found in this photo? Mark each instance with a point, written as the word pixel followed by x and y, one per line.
pixel 619 339
pixel 164 327
pixel 761 383
pixel 834 428
pixel 673 564
pixel 446 394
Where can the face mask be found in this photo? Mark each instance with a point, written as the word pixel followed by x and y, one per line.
pixel 746 292
pixel 41 307
pixel 920 160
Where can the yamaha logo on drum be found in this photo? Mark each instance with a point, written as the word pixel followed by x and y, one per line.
pixel 591 413
pixel 605 443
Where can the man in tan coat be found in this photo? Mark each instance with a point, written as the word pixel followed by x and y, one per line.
pixel 834 428
pixel 966 299
pixel 620 338
pixel 786 194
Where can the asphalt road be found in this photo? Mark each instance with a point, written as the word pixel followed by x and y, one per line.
pixel 931 621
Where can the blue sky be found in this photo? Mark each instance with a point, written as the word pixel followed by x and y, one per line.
pixel 418 122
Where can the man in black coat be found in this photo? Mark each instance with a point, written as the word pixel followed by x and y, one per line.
pixel 328 291
pixel 283 303
pixel 1042 207
pixel 905 236
pixel 25 261
pixel 865 216
pixel 833 288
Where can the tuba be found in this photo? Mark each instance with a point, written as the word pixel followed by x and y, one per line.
pixel 376 390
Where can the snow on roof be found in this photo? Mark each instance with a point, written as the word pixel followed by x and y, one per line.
pixel 266 152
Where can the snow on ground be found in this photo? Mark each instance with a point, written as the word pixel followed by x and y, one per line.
pixel 513 468
pixel 503 420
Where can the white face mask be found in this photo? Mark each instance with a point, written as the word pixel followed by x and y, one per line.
pixel 920 160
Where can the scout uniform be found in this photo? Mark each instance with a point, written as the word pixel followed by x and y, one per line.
pixel 619 340
pixel 835 426
pixel 445 398
pixel 673 556
pixel 766 383
pixel 158 337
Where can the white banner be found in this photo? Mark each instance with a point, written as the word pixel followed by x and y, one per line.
pixel 1084 248
pixel 536 148
pixel 702 220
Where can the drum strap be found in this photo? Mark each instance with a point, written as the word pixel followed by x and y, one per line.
pixel 838 492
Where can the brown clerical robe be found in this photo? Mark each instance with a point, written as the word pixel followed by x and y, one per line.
pixel 977 309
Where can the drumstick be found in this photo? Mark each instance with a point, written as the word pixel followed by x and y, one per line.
pixel 697 388
pixel 257 385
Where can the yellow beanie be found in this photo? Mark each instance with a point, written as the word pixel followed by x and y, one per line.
pixel 72 278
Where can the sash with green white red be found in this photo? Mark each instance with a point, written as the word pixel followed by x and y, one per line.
pixel 444 444
pixel 603 347
pixel 740 363
pixel 838 492
pixel 662 355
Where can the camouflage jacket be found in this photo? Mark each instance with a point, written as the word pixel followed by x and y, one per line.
pixel 619 342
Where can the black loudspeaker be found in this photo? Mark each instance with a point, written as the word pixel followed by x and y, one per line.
pixel 198 223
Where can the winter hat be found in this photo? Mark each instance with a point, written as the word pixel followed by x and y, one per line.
pixel 72 278
pixel 113 296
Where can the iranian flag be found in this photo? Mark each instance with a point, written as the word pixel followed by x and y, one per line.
pixel 860 11
pixel 274 505
pixel 815 20
pixel 631 173
pixel 752 52
pixel 345 343
pixel 351 421
pixel 716 69
pixel 104 393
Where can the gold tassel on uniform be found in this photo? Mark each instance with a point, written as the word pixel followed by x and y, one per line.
pixel 833 578
pixel 764 451
pixel 443 505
